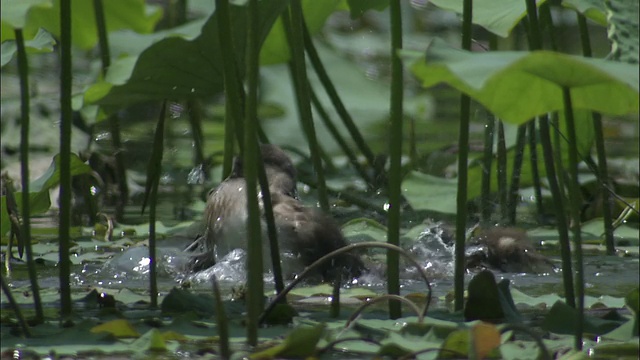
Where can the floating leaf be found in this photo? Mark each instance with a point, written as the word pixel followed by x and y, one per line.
pixel 119 328
pixel 486 340
pixel 300 343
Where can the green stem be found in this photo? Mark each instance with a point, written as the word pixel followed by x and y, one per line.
pixel 13 303
pixel 23 71
pixel 294 29
pixel 154 171
pixel 255 283
pixel 222 321
pixel 395 157
pixel 503 194
pixel 535 173
pixel 518 156
pixel 559 201
pixel 486 205
pixel 535 43
pixel 272 231
pixel 574 209
pixel 65 157
pixel 326 120
pixel 603 172
pixel 463 156
pixel 234 94
pixel 545 141
pixel 195 120
pixel 545 16
pixel 113 120
pixel 487 161
pixel 330 89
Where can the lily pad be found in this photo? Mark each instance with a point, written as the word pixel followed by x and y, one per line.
pixel 119 14
pixel 497 16
pixel 41 43
pixel 517 86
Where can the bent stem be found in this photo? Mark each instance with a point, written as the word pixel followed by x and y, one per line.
pixel 335 253
pixel 14 305
pixel 381 298
pixel 544 352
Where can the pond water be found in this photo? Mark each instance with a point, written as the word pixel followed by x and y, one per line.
pixel 361 51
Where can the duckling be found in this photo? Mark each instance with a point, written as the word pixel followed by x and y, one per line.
pixel 506 249
pixel 304 234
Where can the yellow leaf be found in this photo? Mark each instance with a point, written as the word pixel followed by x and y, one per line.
pixel 486 338
pixel 119 328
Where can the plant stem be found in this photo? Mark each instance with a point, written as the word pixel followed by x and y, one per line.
pixel 222 322
pixel 23 71
pixel 545 140
pixel 153 179
pixel 195 120
pixel 318 67
pixel 272 231
pixel 395 157
pixel 65 157
pixel 326 120
pixel 503 194
pixel 487 160
pixel 514 194
pixel 535 173
pixel 463 156
pixel 561 219
pixel 234 94
pixel 113 120
pixel 603 173
pixel 371 244
pixel 535 43
pixel 574 208
pixel 294 30
pixel 255 283
pixel 12 301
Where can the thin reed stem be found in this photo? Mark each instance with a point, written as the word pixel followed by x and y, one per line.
pixel 255 295
pixel 603 172
pixel 574 210
pixel 463 156
pixel 395 158
pixel 23 71
pixel 65 158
